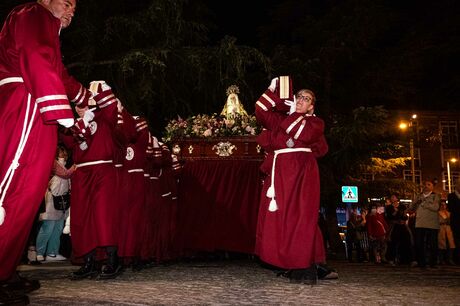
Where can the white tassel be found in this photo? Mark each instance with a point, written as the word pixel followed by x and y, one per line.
pixel 271 192
pixel 2 215
pixel 273 206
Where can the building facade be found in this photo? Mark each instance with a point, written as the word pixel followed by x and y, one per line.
pixel 433 138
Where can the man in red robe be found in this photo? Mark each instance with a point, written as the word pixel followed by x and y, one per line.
pixel 34 96
pixel 288 235
pixel 95 217
pixel 133 196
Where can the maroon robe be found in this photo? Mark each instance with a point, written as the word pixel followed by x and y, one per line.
pixel 95 215
pixel 290 237
pixel 34 91
pixel 133 194
pixel 124 133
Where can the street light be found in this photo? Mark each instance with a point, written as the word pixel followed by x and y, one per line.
pixel 449 179
pixel 403 126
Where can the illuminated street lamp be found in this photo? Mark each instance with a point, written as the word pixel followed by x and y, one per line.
pixel 403 126
pixel 449 179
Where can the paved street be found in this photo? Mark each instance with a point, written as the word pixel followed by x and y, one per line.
pixel 246 282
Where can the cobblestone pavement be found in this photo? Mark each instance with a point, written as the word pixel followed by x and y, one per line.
pixel 247 282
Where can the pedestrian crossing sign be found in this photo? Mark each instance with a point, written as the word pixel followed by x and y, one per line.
pixel 349 194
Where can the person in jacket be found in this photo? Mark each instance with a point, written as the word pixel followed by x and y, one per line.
pixel 52 220
pixel 426 206
pixel 377 230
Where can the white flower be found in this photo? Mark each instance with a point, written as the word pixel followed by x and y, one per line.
pixel 207 133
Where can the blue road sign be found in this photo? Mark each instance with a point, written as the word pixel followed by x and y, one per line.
pixel 349 194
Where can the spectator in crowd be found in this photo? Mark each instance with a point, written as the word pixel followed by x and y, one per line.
pixel 52 220
pixel 446 242
pixel 400 241
pixel 453 202
pixel 426 206
pixel 356 227
pixel 377 229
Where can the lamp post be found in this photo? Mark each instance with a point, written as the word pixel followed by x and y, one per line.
pixel 449 179
pixel 403 126
pixel 412 159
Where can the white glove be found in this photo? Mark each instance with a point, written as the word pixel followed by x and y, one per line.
pixel 98 86
pixel 292 105
pixel 155 142
pixel 272 86
pixel 66 122
pixel 88 116
pixel 83 146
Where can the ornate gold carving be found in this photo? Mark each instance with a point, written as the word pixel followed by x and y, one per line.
pixel 190 149
pixel 224 148
pixel 258 148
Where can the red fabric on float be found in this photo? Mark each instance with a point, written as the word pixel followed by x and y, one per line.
pixel 218 206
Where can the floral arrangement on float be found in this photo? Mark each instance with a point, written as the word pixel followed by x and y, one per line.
pixel 233 121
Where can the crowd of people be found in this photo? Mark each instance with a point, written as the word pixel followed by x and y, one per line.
pixel 424 233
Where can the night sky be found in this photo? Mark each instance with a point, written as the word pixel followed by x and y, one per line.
pixel 420 40
pixel 433 29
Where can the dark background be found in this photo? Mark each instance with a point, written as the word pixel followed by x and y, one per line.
pixel 169 57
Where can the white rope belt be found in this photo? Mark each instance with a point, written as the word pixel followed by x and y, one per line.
pixel 118 165
pixel 26 128
pixel 271 190
pixel 97 162
pixel 11 80
pixel 135 170
pixel 166 194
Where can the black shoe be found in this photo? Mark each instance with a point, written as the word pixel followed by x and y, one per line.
pixel 109 272
pixel 22 286
pixel 310 275
pixel 11 298
pixel 296 275
pixel 113 267
pixel 325 272
pixel 85 271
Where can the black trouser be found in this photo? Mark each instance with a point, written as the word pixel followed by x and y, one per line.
pixel 426 242
pixel 400 246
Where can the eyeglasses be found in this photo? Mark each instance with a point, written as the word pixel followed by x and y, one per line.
pixel 306 98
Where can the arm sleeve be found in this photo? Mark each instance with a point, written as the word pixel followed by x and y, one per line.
pixel 39 60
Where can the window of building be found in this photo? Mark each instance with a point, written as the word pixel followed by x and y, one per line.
pixel 417 160
pixel 454 176
pixel 449 133
pixel 407 175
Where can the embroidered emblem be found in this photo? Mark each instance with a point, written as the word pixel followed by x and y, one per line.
pixel 92 127
pixel 129 153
